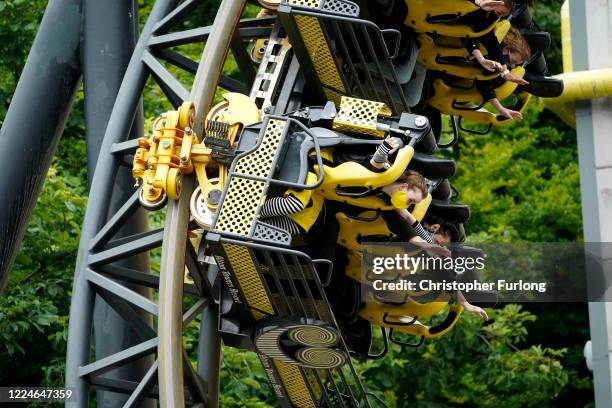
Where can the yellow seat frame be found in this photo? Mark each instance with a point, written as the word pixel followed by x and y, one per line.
pixel 351 229
pixel 399 317
pixel 445 97
pixel 431 50
pixel 371 224
pixel 420 10
pixel 352 174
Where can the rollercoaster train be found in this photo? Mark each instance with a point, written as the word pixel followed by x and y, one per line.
pixel 278 183
pixel 335 79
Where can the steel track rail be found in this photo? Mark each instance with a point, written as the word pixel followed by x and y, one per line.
pixel 175 235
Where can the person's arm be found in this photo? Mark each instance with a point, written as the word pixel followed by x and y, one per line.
pixel 492 62
pixel 468 307
pixel 485 88
pixel 387 147
pixel 400 227
pixel 487 64
pixel 432 250
pixel 508 113
pixel 509 76
pixel 416 225
pixel 277 206
pixel 490 5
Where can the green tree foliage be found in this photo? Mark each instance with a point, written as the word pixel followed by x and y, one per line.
pixel 19 21
pixel 522 185
pixel 243 381
pixel 36 301
pixel 527 187
pixel 34 306
pixel 473 366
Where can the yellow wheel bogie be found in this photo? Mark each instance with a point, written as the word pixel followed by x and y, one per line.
pixel 186 115
pixel 174 183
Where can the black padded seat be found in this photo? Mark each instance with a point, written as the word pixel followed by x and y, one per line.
pixel 521 16
pixel 537 64
pixel 538 40
pixel 433 168
pixel 468 251
pixel 482 298
pixel 428 144
pixel 449 211
pixel 443 191
pixel 357 335
pixel 542 86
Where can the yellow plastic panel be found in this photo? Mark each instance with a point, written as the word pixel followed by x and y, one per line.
pixel 352 174
pixel 360 116
pixel 445 95
pixel 320 55
pixel 249 280
pixel 420 10
pixel 375 313
pixel 295 385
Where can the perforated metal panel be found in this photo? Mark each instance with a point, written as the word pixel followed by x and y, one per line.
pixel 319 52
pixel 259 163
pixel 249 280
pixel 270 233
pixel 341 7
pixel 239 207
pixel 348 55
pixel 294 383
pixel 243 196
pixel 305 3
pixel 360 115
pixel 253 266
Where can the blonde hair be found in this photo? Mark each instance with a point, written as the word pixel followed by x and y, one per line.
pixel 516 42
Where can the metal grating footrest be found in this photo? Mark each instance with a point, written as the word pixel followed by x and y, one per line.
pixel 274 284
pixel 249 179
pixel 360 115
pixel 344 55
pixel 340 7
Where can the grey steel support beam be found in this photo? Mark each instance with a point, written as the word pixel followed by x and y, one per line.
pixel 591 22
pixel 209 352
pixel 143 388
pixel 102 185
pixel 35 120
pixel 123 292
pixel 111 362
pixel 110 32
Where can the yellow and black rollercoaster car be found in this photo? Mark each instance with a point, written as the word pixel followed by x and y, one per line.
pixel 322 84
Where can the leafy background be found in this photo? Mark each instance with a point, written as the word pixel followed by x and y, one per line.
pixel 521 182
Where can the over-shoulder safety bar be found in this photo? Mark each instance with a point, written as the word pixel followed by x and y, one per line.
pixel 249 178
